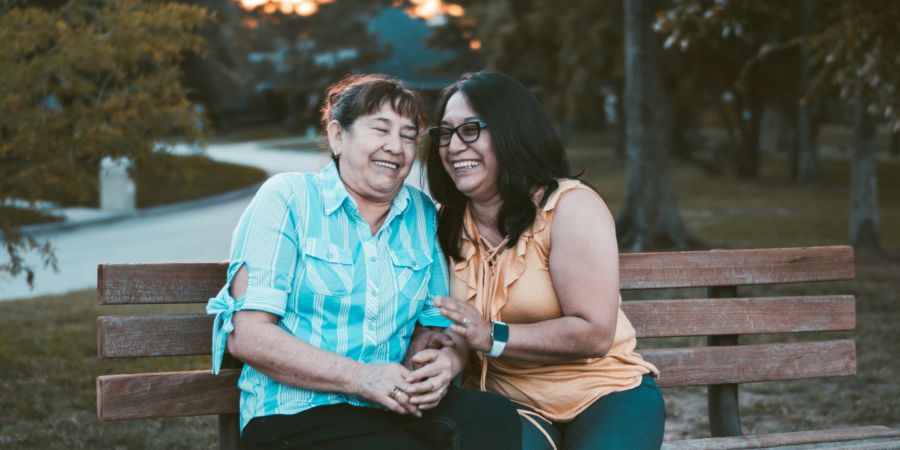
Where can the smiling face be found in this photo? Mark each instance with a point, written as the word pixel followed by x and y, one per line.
pixel 375 154
pixel 473 167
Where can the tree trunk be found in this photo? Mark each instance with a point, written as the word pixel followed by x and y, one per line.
pixel 620 123
pixel 650 217
pixel 895 144
pixel 784 133
pixel 807 157
pixel 684 129
pixel 747 157
pixel 863 183
pixel 807 161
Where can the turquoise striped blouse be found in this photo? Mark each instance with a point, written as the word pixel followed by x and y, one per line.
pixel 313 262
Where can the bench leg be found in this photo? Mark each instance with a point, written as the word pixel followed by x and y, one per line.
pixel 229 432
pixel 229 424
pixel 722 399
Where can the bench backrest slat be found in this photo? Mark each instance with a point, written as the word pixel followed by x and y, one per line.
pixel 201 393
pixel 167 394
pixel 735 267
pixel 755 315
pixel 191 334
pixel 196 283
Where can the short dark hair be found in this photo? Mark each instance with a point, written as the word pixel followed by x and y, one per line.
pixel 358 95
pixel 529 152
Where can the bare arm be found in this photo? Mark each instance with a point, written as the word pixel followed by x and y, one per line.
pixel 260 342
pixel 584 266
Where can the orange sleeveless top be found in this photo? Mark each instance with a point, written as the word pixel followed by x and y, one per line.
pixel 514 285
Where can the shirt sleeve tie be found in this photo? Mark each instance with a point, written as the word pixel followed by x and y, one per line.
pixel 223 306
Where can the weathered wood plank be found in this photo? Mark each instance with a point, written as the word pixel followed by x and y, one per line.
pixel 842 435
pixel 735 267
pixel 170 394
pixel 197 282
pixel 724 316
pixel 201 393
pixel 191 334
pixel 861 444
pixel 703 366
pixel 154 335
pixel 159 283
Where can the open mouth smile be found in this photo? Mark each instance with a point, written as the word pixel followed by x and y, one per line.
pixel 466 164
pixel 386 164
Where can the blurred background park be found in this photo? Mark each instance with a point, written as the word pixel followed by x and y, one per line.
pixel 703 123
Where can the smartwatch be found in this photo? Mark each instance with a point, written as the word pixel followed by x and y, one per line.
pixel 500 336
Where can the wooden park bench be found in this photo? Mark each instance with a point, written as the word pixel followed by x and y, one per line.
pixel 721 365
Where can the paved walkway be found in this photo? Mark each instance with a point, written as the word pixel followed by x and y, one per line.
pixel 200 232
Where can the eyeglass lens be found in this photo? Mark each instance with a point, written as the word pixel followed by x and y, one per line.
pixel 467 132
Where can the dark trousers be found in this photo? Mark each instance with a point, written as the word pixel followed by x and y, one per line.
pixel 465 419
pixel 630 420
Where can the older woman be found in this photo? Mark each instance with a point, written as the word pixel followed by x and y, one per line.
pixel 535 276
pixel 329 274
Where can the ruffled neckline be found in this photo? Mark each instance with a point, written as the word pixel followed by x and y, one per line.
pixel 512 259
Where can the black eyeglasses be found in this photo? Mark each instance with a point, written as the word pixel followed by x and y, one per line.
pixel 467 132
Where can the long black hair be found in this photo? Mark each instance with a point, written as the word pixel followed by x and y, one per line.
pixel 529 152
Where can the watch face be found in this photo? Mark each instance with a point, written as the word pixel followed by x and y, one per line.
pixel 500 332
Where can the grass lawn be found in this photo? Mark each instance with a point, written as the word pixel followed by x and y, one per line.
pixel 170 179
pixel 48 356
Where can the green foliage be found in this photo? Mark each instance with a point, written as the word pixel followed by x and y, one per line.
pixel 170 179
pixel 336 26
pixel 82 81
pixel 566 52
pixel 858 53
pixel 855 45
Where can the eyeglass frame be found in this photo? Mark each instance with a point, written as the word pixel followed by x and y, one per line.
pixel 455 130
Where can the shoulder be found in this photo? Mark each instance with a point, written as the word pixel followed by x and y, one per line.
pixel 572 194
pixel 287 184
pixel 420 201
pixel 579 209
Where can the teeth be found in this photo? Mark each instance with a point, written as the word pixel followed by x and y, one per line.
pixel 386 164
pixel 468 164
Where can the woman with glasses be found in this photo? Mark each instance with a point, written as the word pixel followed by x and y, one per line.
pixel 534 276
pixel 330 272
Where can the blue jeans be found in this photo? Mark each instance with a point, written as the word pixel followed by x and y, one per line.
pixel 634 419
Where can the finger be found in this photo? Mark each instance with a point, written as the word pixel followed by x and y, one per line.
pixel 403 386
pixel 392 405
pixel 426 372
pixel 460 330
pixel 461 306
pixel 437 383
pixel 455 316
pixel 425 356
pixel 439 341
pixel 431 397
pixel 451 304
pixel 402 400
pixel 423 400
pixel 421 389
pixel 428 406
